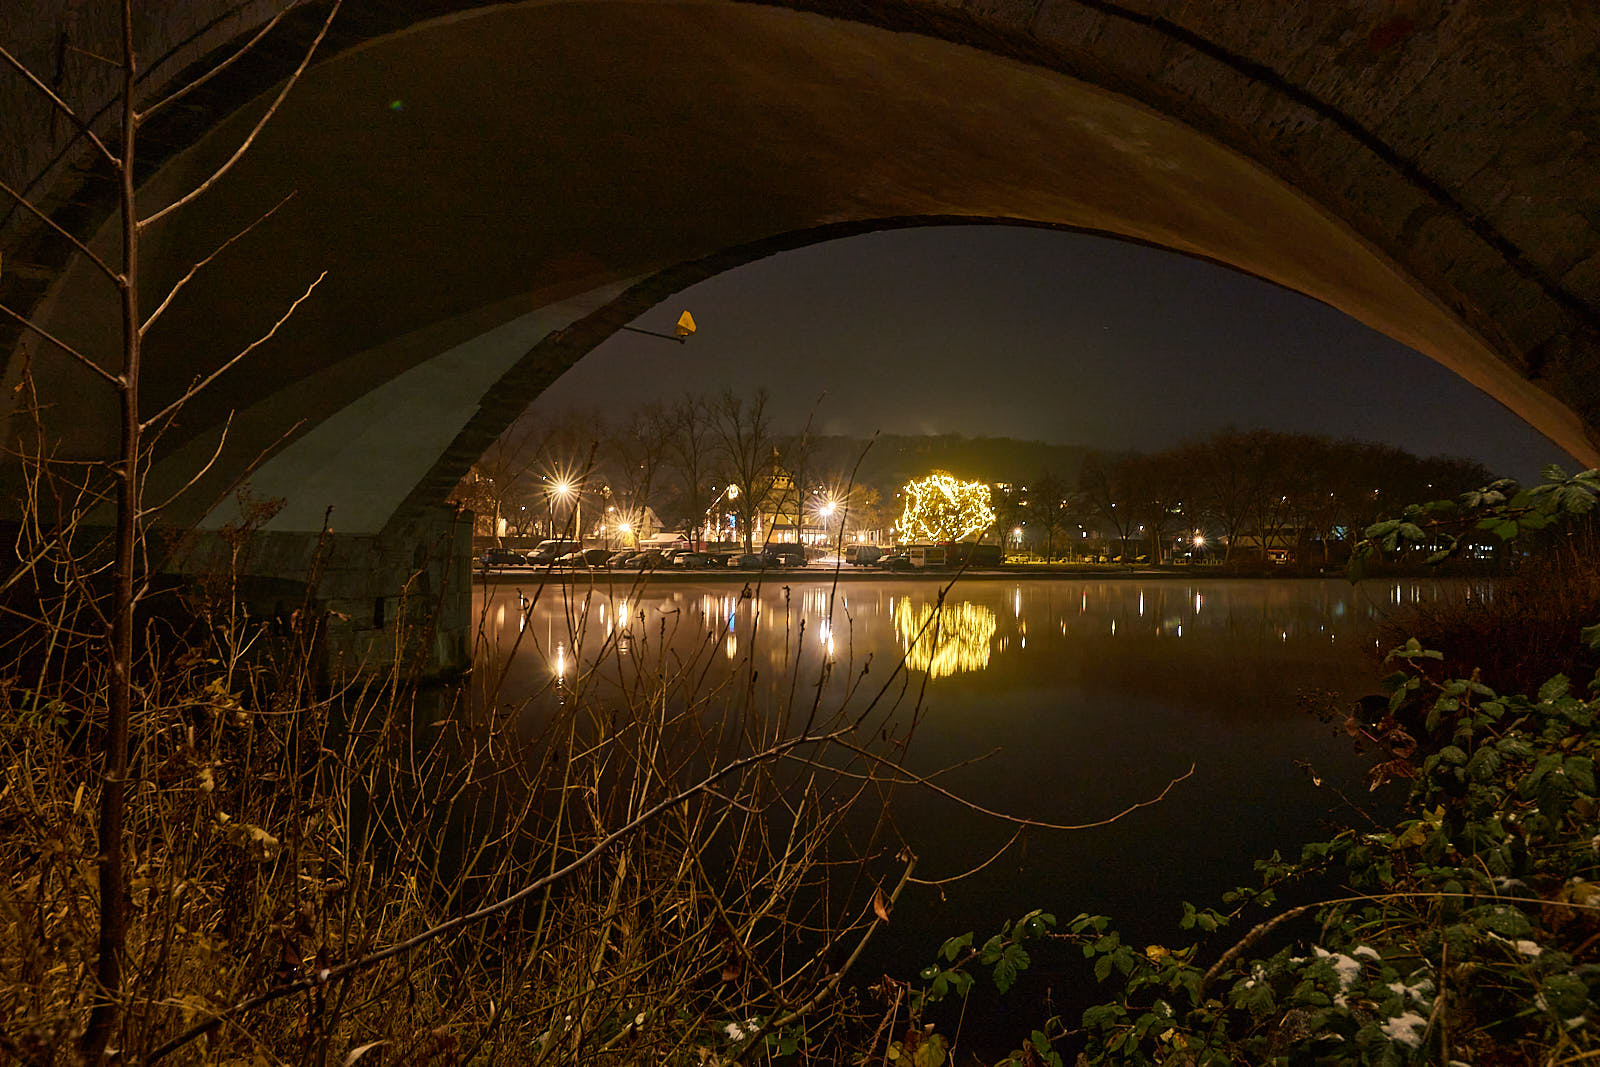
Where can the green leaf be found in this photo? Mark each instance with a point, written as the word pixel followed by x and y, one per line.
pixel 931 1053
pixel 1554 689
pixel 1591 637
pixel 1102 1016
pixel 1575 500
pixel 952 948
pixel 1484 764
pixel 1013 962
pixel 1580 771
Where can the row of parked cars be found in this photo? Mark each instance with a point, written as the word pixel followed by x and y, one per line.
pixel 567 554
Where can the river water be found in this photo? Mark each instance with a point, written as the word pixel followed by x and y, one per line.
pixel 1086 696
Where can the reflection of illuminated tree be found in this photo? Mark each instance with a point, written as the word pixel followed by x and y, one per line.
pixel 957 640
pixel 941 507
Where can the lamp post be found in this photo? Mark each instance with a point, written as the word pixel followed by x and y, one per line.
pixel 567 491
pixel 682 330
pixel 730 491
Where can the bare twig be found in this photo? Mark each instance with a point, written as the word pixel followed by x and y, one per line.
pixel 249 140
pixel 832 985
pixel 84 360
pixel 179 94
pixel 195 389
pixel 332 974
pixel 181 282
pixel 88 253
pixel 222 442
pixel 911 777
pixel 60 104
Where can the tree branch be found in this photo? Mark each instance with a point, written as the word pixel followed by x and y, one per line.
pixel 261 123
pixel 68 349
pixel 222 442
pixel 48 221
pixel 61 105
pixel 173 292
pixel 912 778
pixel 202 384
pixel 333 974
pixel 179 94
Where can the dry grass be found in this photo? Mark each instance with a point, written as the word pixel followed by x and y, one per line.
pixel 277 831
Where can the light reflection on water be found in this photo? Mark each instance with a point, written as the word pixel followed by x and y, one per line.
pixel 1093 694
pixel 946 640
pixel 981 627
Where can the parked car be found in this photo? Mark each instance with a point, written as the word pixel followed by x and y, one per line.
pixel 863 555
pixel 549 551
pixel 690 559
pixel 897 561
pixel 785 555
pixel 619 559
pixel 502 557
pixel 749 561
pixel 596 557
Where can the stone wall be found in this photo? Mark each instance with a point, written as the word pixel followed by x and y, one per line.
pixel 401 600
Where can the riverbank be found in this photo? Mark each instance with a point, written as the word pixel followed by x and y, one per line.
pixel 1010 572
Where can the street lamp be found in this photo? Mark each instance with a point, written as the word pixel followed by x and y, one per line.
pixel 730 491
pixel 682 330
pixel 567 491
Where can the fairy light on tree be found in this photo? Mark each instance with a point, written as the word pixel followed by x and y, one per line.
pixel 941 508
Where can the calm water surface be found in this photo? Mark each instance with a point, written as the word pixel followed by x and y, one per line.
pixel 1091 696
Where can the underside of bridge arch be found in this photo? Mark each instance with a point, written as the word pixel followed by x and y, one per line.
pixel 487 194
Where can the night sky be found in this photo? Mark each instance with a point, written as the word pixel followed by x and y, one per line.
pixel 1051 336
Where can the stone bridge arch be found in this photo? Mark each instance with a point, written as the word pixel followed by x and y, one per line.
pixel 492 189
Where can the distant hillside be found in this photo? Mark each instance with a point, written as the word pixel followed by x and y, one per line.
pixel 894 459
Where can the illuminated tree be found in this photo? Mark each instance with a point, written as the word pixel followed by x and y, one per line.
pixel 941 507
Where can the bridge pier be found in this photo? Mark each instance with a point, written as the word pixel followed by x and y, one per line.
pixel 399 601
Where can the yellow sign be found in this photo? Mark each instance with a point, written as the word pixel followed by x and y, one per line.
pixel 685 325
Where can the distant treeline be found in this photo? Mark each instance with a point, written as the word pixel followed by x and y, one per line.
pixel 672 464
pixel 1258 490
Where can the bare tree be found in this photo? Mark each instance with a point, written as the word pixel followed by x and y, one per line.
pixel 633 455
pixel 1101 487
pixel 690 439
pixel 1217 487
pixel 122 373
pixel 1048 504
pixel 749 454
pixel 1267 459
pixel 1155 495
